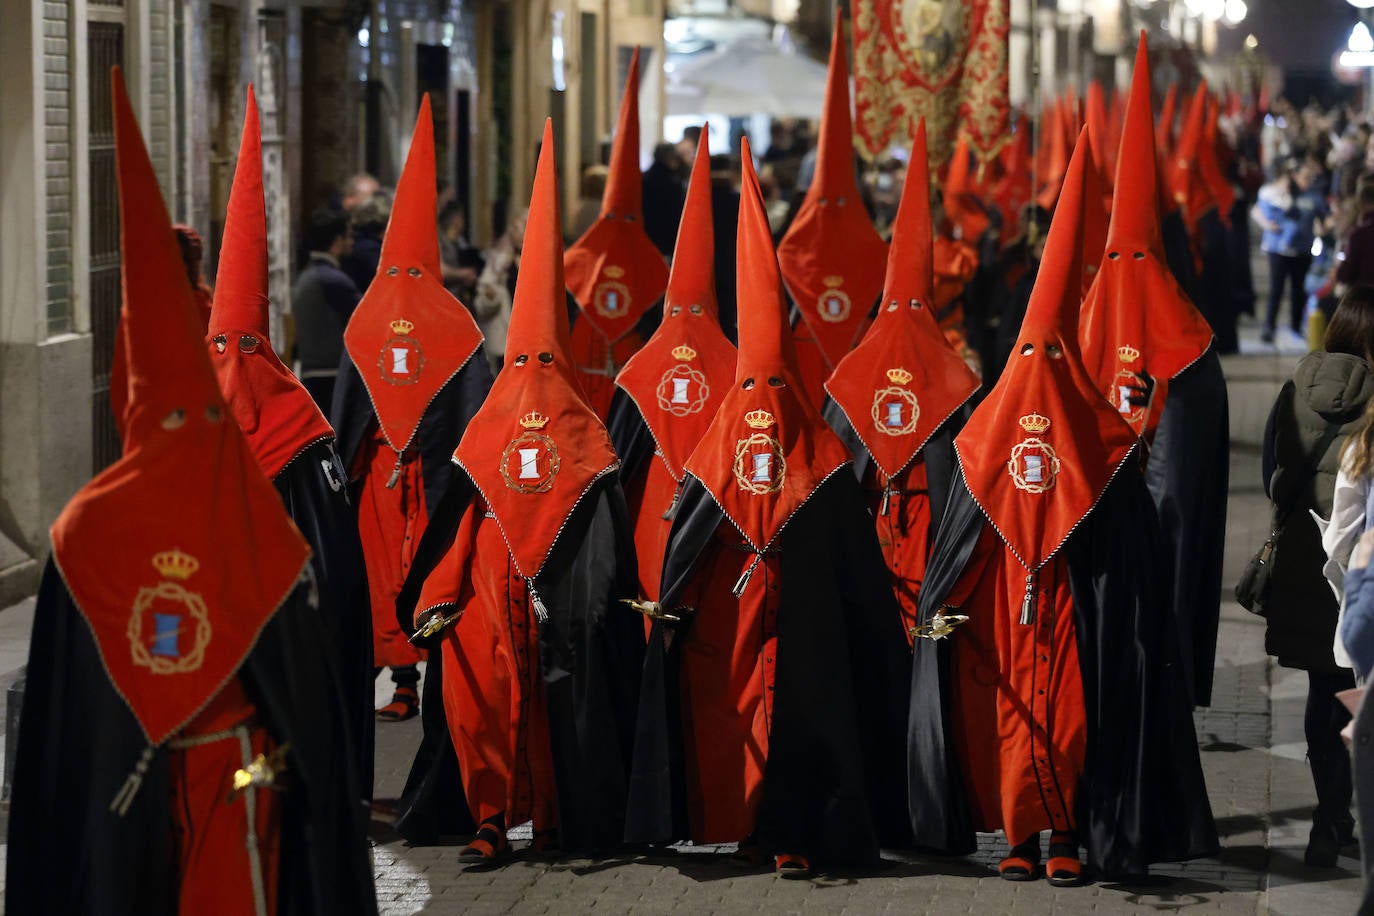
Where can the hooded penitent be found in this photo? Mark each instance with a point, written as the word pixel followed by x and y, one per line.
pixel 170 603
pixel 1184 176
pixel 1014 190
pixel 271 406
pixel 614 271
pixel 1099 128
pixel 531 561
pixel 673 385
pixel 1056 156
pixel 409 340
pixel 1137 324
pixel 831 257
pixel 1016 718
pixel 773 552
pixel 898 390
pixel 962 207
pixel 1098 203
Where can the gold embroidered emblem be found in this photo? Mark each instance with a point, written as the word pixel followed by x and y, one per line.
pixel 682 390
pixel 895 409
pixel 401 358
pixel 759 466
pixel 611 298
pixel 531 461
pixel 172 611
pixel 834 304
pixel 1033 465
pixel 1124 386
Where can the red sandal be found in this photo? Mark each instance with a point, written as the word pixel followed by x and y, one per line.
pixel 405 704
pixel 488 847
pixel 795 867
pixel 1022 862
pixel 1064 868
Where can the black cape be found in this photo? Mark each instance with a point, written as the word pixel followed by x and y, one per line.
pixel 78 742
pixel 833 786
pixel 1218 302
pixel 313 488
pixel 445 419
pixel 1188 474
pixel 1178 254
pixel 591 651
pixel 630 436
pixel 1142 798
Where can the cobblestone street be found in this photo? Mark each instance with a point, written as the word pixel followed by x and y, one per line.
pixel 1253 753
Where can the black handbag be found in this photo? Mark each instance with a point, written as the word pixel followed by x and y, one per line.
pixel 1252 591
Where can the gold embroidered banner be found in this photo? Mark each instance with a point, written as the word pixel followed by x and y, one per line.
pixel 945 60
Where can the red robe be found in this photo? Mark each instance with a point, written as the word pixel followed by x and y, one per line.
pixel 390 523
pixel 901 512
pixel 598 361
pixel 1020 725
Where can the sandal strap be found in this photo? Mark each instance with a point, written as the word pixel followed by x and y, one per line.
pixel 1020 863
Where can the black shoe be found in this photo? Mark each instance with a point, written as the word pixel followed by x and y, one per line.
pixel 1323 846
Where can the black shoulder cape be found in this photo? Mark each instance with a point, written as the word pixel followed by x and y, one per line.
pixel 1143 798
pixel 1188 474
pixel 443 424
pixel 833 784
pixel 313 487
pixel 630 436
pixel 78 742
pixel 591 653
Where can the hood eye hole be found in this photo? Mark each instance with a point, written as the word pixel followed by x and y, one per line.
pixel 546 358
pixel 892 306
pixel 675 310
pixel 696 310
pixel 393 271
pixel 1113 255
pixel 748 383
pixel 839 201
pixel 174 420
pixel 248 343
pixel 916 304
pixel 824 201
pixel 414 271
pixel 1139 255
pixel 775 381
pixel 1027 349
pixel 221 341
pixel 522 359
pixel 1053 351
pixel 213 414
pixel 610 215
pixel 629 217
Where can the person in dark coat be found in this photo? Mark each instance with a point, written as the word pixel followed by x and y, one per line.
pixel 664 196
pixel 773 704
pixel 322 301
pixel 1358 265
pixel 369 221
pixel 182 746
pixel 1312 416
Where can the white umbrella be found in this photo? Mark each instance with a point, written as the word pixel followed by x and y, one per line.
pixel 747 78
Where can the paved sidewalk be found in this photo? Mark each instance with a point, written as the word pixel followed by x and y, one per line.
pixel 1252 746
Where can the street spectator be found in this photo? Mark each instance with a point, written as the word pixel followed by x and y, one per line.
pixel 664 194
pixel 356 190
pixel 1358 264
pixel 369 220
pixel 322 301
pixel 496 288
pixel 1289 210
pixel 589 200
pixel 1314 413
pixel 192 248
pixel 459 260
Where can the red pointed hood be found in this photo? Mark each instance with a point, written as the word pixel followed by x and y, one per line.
pixel 1136 318
pixel 832 259
pixel 1095 111
pixel 614 271
pixel 1056 159
pixel 961 202
pixel 1096 203
pixel 179 553
pixel 678 378
pixel 271 406
pixel 904 380
pixel 1212 174
pixel 1184 175
pixel 767 449
pixel 1014 190
pixel 535 447
pixel 1164 127
pixel 1039 451
pixel 409 336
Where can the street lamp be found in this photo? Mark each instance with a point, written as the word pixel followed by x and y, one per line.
pixel 1359 48
pixel 1236 10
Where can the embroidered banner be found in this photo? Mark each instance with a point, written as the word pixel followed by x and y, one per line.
pixel 945 60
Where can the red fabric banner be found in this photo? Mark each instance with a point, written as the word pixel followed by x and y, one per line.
pixel 945 60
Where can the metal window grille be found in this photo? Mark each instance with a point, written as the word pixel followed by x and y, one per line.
pixel 105 48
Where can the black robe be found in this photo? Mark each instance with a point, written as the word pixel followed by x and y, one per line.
pixel 1188 474
pixel 1178 254
pixel 1218 303
pixel 1142 798
pixel 78 741
pixel 833 786
pixel 591 651
pixel 630 436
pixel 313 488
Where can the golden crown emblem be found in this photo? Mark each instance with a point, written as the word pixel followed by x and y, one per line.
pixel 1034 423
pixel 534 420
pixel 615 273
pixel 899 376
pixel 684 353
pixel 401 326
pixel 1128 353
pixel 173 564
pixel 759 419
pixel 834 282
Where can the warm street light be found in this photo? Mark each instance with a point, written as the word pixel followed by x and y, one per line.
pixel 1359 48
pixel 1236 10
pixel 1361 4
